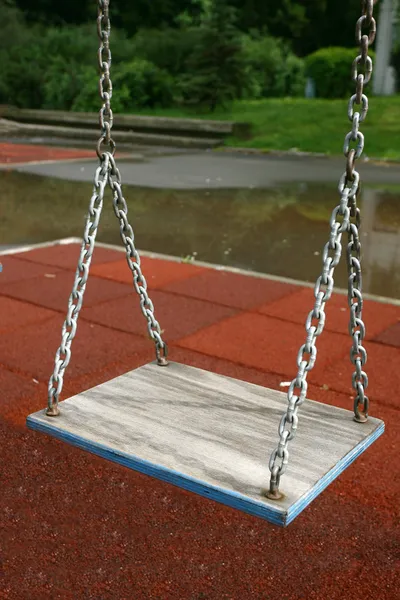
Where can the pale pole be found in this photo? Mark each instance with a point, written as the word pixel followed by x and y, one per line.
pixel 383 81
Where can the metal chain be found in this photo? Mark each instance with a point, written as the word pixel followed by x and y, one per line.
pixel 133 260
pixel 105 83
pixel 63 355
pixel 340 223
pixel 114 180
pixel 358 354
pixel 106 173
pixel 315 323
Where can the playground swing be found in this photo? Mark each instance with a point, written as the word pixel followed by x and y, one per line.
pixel 209 433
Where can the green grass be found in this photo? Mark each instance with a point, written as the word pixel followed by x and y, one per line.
pixel 309 125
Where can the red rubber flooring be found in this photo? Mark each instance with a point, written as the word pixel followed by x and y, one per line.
pixel 25 153
pixel 76 527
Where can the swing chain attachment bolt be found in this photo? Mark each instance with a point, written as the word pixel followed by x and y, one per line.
pixel 361 418
pixel 53 411
pixel 274 495
pixel 162 360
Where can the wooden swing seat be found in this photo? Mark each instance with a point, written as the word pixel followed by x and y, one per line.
pixel 211 435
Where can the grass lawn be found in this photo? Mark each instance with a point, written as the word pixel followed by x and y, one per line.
pixel 309 125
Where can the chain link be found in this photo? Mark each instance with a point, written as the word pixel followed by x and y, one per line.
pixel 105 84
pixel 106 173
pixel 133 259
pixel 358 354
pixel 345 218
pixel 63 354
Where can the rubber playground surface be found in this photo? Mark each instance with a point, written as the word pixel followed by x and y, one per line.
pixel 25 153
pixel 76 527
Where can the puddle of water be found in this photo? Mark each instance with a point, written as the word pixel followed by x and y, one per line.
pixel 279 231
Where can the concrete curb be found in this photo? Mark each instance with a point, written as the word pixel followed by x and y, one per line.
pixel 126 137
pixel 76 240
pixel 300 154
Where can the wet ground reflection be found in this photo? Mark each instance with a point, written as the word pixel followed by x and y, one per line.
pixel 279 231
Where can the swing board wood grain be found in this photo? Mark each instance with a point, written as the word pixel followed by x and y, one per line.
pixel 212 435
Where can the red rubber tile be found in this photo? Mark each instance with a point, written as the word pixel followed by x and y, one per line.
pixel 342 585
pixel 258 341
pixel 232 289
pixel 66 256
pixel 16 314
pixel 14 388
pixel 76 526
pixel 157 272
pixel 19 153
pixel 178 316
pixel 382 368
pixel 54 292
pixel 295 308
pixel 390 336
pixel 32 350
pixel 76 523
pixel 15 269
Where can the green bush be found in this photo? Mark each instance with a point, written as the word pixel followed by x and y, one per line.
pixel 21 78
pixel 137 84
pixel 273 70
pixel 148 85
pixel 14 30
pixel 395 61
pixel 64 81
pixel 216 68
pixel 71 42
pixel 166 48
pixel 39 66
pixel 88 99
pixel 55 67
pixel 330 68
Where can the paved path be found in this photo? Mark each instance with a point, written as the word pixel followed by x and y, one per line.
pixel 161 168
pixel 76 527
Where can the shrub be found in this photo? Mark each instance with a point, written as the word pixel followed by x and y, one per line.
pixel 148 85
pixel 273 70
pixel 64 81
pixel 54 67
pixel 71 42
pixel 166 48
pixel 137 84
pixel 331 70
pixel 20 80
pixel 216 71
pixel 395 61
pixel 14 30
pixel 88 99
pixel 22 77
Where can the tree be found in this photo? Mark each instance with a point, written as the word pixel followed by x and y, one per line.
pixel 216 67
pixel 54 12
pixel 125 14
pixel 307 24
